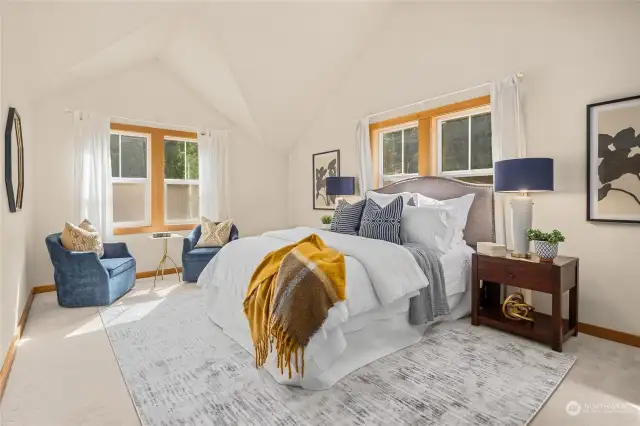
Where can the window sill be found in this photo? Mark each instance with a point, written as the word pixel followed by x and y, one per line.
pixel 467 173
pixel 150 229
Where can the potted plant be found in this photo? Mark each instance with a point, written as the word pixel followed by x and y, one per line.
pixel 326 221
pixel 546 243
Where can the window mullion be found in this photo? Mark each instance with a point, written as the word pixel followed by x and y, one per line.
pixel 119 156
pixel 148 186
pixel 381 155
pixel 157 180
pixel 440 148
pixel 402 151
pixel 186 173
pixel 469 144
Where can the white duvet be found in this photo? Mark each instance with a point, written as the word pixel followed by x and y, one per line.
pixel 380 276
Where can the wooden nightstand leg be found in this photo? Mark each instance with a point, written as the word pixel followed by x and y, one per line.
pixel 573 303
pixel 556 320
pixel 475 290
pixel 573 310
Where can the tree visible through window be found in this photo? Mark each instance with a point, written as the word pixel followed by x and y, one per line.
pixel 130 179
pixel 181 180
pixel 465 146
pixel 155 179
pixel 449 140
pixel 399 156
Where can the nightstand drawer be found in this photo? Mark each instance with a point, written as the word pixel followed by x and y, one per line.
pixel 522 274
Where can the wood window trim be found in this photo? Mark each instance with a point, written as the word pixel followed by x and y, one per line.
pixel 425 121
pixel 157 137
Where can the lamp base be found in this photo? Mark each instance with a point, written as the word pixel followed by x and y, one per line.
pixel 521 221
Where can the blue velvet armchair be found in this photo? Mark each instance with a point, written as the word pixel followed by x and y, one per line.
pixel 195 259
pixel 83 279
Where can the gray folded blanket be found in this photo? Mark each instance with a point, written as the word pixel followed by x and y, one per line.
pixel 432 300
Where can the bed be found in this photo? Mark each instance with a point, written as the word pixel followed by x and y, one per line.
pixel 374 320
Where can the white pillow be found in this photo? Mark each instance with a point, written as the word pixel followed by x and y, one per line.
pixel 384 199
pixel 459 208
pixel 432 226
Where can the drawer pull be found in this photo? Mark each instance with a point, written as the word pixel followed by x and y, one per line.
pixel 511 276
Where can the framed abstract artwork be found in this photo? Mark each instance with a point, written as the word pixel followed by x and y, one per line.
pixel 613 161
pixel 14 161
pixel 324 164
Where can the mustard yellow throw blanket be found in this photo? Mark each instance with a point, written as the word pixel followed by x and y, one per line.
pixel 289 297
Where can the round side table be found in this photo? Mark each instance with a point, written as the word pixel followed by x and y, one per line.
pixel 165 256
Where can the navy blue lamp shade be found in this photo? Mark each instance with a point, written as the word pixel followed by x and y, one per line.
pixel 341 185
pixel 523 175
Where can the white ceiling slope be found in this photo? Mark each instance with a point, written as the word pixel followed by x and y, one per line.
pixel 42 43
pixel 139 46
pixel 200 64
pixel 288 56
pixel 267 67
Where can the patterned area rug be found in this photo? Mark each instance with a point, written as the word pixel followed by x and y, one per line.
pixel 183 370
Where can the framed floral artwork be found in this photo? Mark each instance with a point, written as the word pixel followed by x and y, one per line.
pixel 324 164
pixel 613 161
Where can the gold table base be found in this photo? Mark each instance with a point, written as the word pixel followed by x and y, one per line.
pixel 160 268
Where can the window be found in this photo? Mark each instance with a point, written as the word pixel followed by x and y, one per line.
pixel 181 181
pixel 449 140
pixel 154 179
pixel 130 178
pixel 464 145
pixel 398 153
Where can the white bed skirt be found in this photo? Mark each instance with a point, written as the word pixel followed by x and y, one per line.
pixel 355 348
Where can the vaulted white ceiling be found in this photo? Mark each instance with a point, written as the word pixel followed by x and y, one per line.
pixel 267 67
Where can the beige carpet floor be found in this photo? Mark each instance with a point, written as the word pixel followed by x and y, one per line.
pixel 65 373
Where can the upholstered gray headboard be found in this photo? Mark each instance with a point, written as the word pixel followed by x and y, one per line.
pixel 480 223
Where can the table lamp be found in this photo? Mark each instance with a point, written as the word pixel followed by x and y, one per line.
pixel 522 175
pixel 341 185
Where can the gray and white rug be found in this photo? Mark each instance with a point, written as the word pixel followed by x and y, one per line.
pixel 183 370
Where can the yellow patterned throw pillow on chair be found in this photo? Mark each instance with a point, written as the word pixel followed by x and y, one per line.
pixel 84 237
pixel 214 234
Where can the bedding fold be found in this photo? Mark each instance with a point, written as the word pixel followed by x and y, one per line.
pixel 392 269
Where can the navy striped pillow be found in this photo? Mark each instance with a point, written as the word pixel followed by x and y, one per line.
pixel 346 220
pixel 382 223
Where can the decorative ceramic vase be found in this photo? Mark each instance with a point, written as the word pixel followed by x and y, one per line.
pixel 326 226
pixel 546 251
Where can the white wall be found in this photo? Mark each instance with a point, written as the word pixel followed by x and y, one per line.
pixel 15 233
pixel 14 227
pixel 145 92
pixel 572 55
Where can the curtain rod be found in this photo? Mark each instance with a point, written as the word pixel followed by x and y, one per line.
pixel 519 75
pixel 202 132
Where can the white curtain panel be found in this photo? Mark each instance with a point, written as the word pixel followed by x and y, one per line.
pixel 213 159
pixel 507 141
pixel 363 148
pixel 92 172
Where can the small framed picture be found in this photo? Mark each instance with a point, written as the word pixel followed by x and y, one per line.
pixel 324 164
pixel 613 161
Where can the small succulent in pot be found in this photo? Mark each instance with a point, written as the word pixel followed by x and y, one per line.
pixel 326 221
pixel 546 243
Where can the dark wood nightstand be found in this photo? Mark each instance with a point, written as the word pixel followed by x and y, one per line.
pixel 553 278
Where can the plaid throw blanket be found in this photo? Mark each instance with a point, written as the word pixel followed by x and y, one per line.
pixel 289 298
